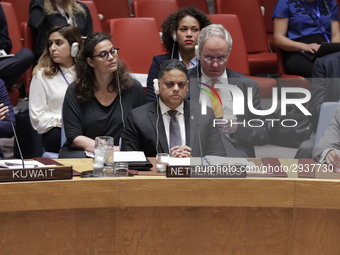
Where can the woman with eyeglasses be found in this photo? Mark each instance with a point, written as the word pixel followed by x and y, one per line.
pixel 180 32
pixel 44 14
pixel 300 26
pixel 51 78
pixel 98 103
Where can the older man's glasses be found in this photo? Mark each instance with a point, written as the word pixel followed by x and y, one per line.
pixel 105 54
pixel 220 60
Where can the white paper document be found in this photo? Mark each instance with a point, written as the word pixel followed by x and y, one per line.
pixel 17 163
pixel 129 156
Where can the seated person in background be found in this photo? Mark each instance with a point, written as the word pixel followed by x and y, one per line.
pixel 6 130
pixel 302 25
pixel 13 67
pixel 180 32
pixel 214 45
pixel 328 148
pixel 170 124
pixel 325 87
pixel 51 77
pixel 97 103
pixel 44 14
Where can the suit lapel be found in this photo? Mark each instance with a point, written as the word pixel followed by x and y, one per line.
pixel 163 143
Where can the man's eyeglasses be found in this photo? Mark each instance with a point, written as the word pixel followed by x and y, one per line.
pixel 220 60
pixel 105 54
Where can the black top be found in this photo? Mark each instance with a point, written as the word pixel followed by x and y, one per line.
pixel 93 119
pixel 5 41
pixel 42 23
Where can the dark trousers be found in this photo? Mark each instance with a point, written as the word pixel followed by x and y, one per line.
pixel 51 140
pixel 11 69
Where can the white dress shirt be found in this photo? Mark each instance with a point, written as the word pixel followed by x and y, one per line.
pixel 47 97
pixel 166 120
pixel 225 94
pixel 193 62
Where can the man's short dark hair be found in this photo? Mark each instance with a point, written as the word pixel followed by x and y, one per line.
pixel 170 65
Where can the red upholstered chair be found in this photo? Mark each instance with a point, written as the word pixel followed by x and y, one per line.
pixel 158 9
pixel 261 60
pixel 199 4
pixel 112 9
pixel 138 40
pixel 21 8
pixel 268 11
pixel 97 26
pixel 238 60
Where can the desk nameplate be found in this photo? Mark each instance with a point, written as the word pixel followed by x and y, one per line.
pixel 213 171
pixel 36 173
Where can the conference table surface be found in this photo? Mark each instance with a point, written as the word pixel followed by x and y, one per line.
pixel 247 212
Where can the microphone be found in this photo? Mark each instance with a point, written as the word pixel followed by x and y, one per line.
pixel 16 138
pixel 197 125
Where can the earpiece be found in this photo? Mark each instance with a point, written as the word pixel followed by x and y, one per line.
pixel 74 49
pixel 174 36
pixel 197 52
pixel 156 86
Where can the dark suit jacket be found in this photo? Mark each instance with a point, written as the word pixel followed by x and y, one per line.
pixel 5 41
pixel 153 73
pixel 325 86
pixel 140 132
pixel 331 137
pixel 247 137
pixel 6 130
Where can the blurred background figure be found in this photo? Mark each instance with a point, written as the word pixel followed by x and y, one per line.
pixel 51 78
pixel 6 130
pixel 98 102
pixel 44 14
pixel 300 26
pixel 13 67
pixel 179 36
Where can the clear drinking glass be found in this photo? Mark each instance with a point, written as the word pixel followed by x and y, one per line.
pixel 162 161
pixel 103 152
pixel 122 169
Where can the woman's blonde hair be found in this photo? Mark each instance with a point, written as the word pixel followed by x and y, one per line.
pixel 71 34
pixel 71 8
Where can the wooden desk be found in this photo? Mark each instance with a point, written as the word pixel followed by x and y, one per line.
pixel 155 215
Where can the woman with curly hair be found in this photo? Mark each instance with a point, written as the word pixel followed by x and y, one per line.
pixel 180 32
pixel 51 77
pixel 98 102
pixel 44 14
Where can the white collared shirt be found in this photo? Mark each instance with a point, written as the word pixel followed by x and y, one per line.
pixel 167 118
pixel 225 94
pixel 46 98
pixel 193 62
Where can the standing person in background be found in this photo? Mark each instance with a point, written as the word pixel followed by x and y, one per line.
pixel 44 14
pixel 97 103
pixel 180 32
pixel 51 77
pixel 300 26
pixel 13 67
pixel 6 130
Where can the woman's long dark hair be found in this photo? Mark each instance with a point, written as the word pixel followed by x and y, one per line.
pixel 85 87
pixel 171 23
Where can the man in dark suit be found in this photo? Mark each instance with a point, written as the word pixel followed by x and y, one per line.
pixel 325 87
pixel 214 45
pixel 328 148
pixel 148 127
